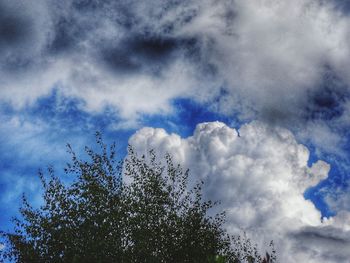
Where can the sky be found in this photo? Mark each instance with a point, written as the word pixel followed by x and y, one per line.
pixel 253 96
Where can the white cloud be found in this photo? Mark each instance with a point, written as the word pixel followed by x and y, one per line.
pixel 259 174
pixel 131 96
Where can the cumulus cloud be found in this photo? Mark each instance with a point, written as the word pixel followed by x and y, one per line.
pixel 260 174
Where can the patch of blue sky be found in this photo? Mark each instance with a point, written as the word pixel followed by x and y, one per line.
pixel 338 178
pixel 35 137
pixel 187 114
pixel 317 195
pixel 67 122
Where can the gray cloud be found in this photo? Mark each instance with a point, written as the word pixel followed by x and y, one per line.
pixel 272 59
pixel 325 244
pixel 17 36
pixel 14 28
pixel 146 53
pixel 271 66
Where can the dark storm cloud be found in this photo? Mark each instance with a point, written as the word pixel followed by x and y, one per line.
pixel 73 21
pixel 14 27
pixel 87 5
pixel 328 243
pixel 327 104
pixel 16 35
pixel 324 102
pixel 72 41
pixel 328 100
pixel 326 235
pixel 153 48
pixel 148 53
pixel 277 115
pixel 139 52
pixel 342 6
pixel 65 36
pixel 129 42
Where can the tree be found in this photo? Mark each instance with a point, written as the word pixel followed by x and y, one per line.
pixel 155 217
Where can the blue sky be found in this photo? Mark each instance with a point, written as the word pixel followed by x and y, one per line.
pixel 277 69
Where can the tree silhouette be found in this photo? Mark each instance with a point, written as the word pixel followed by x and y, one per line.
pixel 154 217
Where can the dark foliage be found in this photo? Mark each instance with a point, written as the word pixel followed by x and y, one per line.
pixel 154 217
